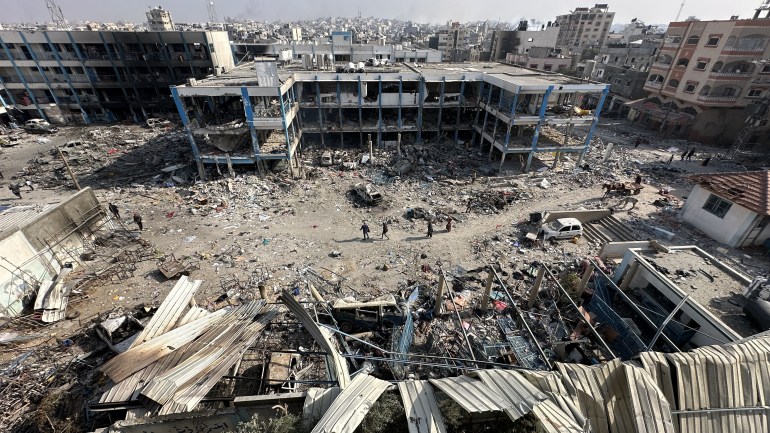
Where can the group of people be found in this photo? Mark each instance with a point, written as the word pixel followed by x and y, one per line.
pixel 116 212
pixel 687 156
pixel 365 229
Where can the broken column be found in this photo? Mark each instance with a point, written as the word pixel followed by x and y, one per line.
pixel 536 287
pixel 398 144
pixel 439 296
pixel 487 291
pixel 369 141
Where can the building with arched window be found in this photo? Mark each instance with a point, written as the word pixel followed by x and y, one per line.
pixel 714 69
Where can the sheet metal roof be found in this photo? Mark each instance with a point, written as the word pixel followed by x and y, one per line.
pixel 317 402
pixel 472 394
pixel 618 398
pixel 521 395
pixel 16 217
pixel 422 412
pixel 338 369
pixel 349 408
pixel 734 376
pixel 749 189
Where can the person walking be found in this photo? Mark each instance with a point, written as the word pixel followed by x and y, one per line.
pixel 365 229
pixel 384 230
pixel 469 206
pixel 430 229
pixel 15 189
pixel 114 210
pixel 29 185
pixel 138 221
pixel 690 154
pixel 670 159
pixel 684 154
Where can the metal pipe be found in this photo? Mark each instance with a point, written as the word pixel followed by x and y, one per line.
pixel 457 312
pixel 553 278
pixel 666 320
pixel 521 317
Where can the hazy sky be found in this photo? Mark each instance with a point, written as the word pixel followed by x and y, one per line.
pixel 649 11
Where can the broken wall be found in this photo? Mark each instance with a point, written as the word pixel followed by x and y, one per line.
pixel 64 227
pixel 22 264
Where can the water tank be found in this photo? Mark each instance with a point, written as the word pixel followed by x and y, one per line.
pixel 307 61
pixel 319 61
pixel 351 67
pixel 360 66
pixel 589 70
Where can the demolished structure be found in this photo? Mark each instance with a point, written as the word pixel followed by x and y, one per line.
pixel 256 113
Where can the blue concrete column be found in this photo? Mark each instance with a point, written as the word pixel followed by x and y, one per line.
pixel 536 136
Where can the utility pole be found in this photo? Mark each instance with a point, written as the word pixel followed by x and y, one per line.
pixel 213 19
pixel 69 170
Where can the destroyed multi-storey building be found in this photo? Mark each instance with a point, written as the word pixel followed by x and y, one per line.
pixel 584 27
pixel 85 77
pixel 257 113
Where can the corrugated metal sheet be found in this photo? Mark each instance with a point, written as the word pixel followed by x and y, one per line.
pixel 317 402
pixel 554 419
pixel 19 216
pixel 618 398
pixel 521 395
pixel 338 370
pixel 722 388
pixel 748 189
pixel 422 412
pixel 472 394
pixel 350 407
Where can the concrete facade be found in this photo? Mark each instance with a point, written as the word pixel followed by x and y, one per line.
pixel 521 41
pixel 739 227
pixel 584 27
pixel 502 109
pixel 81 77
pixel 713 71
pixel 337 53
pixel 38 247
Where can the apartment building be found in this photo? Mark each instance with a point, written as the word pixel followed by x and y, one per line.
pixel 259 115
pixel 520 41
pixel 625 66
pixel 159 20
pixel 706 74
pixel 584 27
pixel 81 77
pixel 454 43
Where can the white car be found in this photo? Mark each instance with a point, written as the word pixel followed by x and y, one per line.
pixel 562 228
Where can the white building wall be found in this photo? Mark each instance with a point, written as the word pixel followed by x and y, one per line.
pixel 729 230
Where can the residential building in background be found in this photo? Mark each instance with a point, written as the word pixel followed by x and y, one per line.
pixel 541 58
pixel 520 41
pixel 584 27
pixel 159 20
pixel 625 66
pixel 454 42
pixel 706 74
pixel 101 76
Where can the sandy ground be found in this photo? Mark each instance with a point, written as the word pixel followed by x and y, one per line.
pixel 283 226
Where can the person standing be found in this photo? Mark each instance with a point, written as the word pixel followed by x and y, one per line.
pixel 449 224
pixel 469 206
pixel 365 229
pixel 384 230
pixel 114 210
pixel 15 189
pixel 138 221
pixel 430 229
pixel 690 154
pixel 638 179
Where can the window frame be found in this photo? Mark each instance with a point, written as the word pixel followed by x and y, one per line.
pixel 717 206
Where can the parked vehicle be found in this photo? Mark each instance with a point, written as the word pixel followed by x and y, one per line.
pixel 39 126
pixel 368 193
pixel 562 228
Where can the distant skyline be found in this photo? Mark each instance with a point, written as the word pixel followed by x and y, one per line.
pixel 649 11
